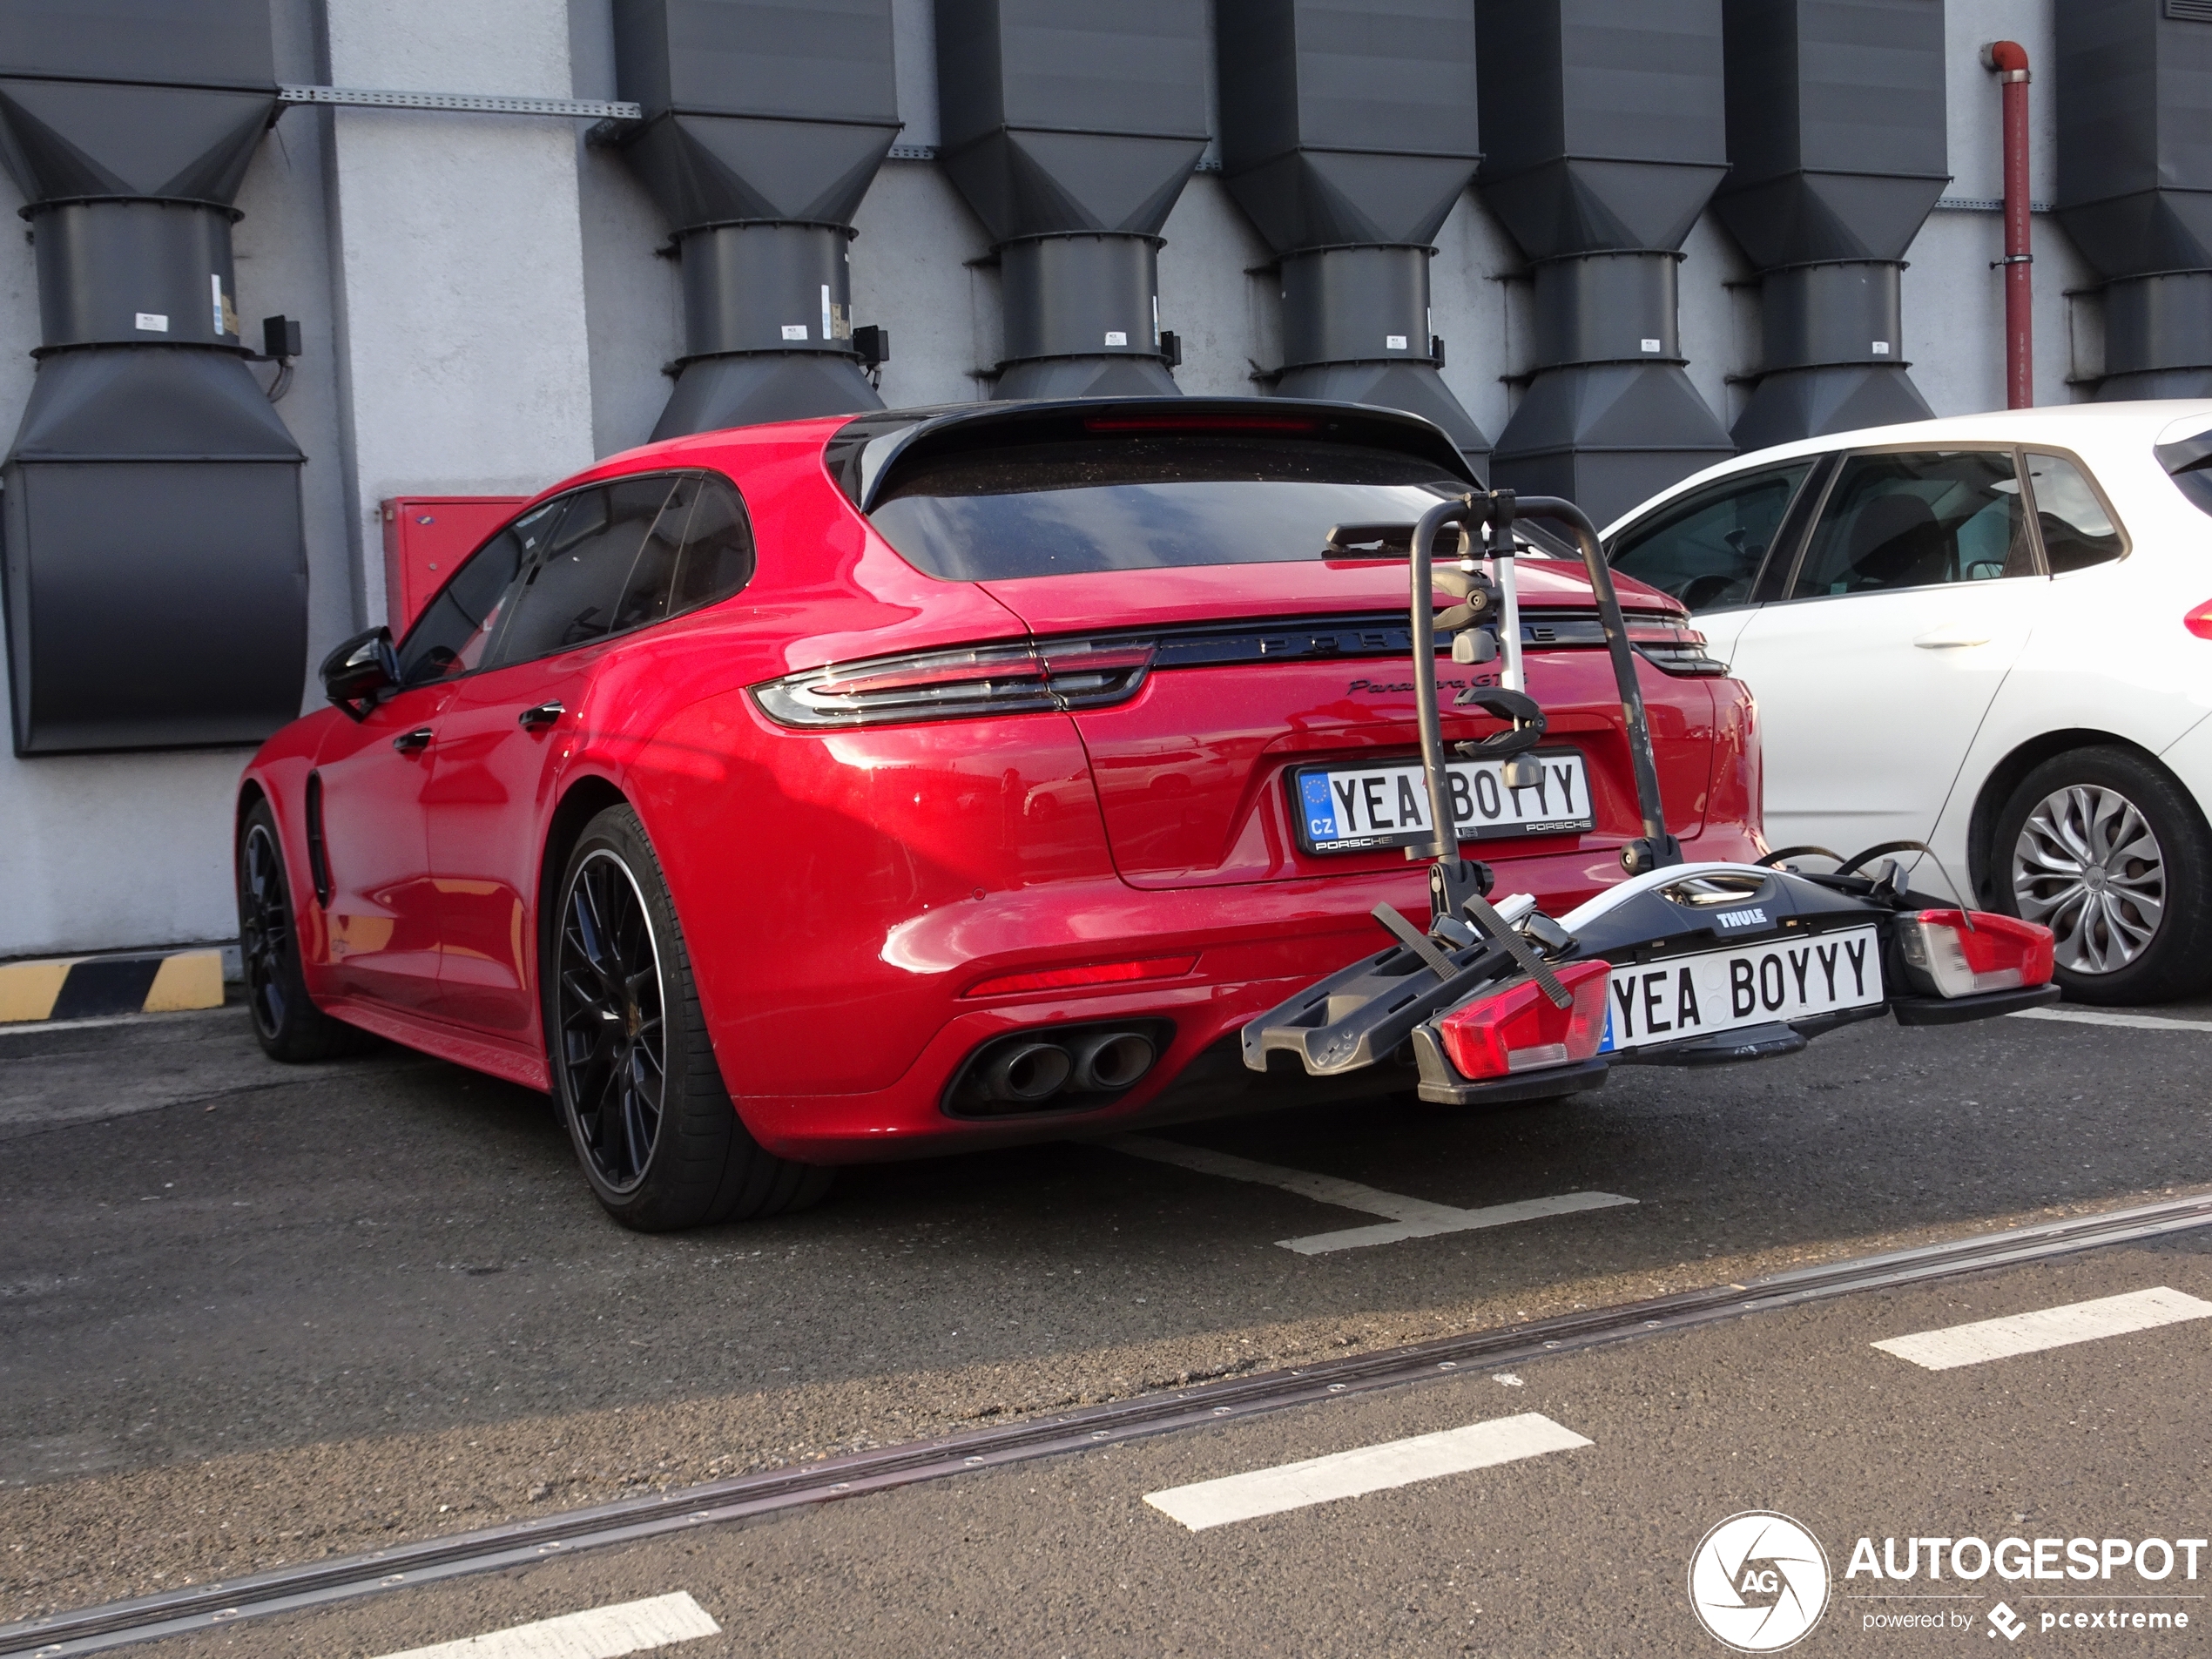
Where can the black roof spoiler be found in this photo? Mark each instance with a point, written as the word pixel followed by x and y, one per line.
pixel 862 452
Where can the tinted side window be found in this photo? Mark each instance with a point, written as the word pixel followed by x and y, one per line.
pixel 2077 530
pixel 1916 521
pixel 700 551
pixel 717 557
pixel 449 637
pixel 570 594
pixel 1706 547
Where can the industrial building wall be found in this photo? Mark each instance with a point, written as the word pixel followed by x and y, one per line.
pixel 486 309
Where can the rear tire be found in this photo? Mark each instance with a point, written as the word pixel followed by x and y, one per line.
pixel 634 1072
pixel 288 1025
pixel 2111 853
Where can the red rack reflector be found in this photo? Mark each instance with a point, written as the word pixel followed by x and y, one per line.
pixel 1518 1029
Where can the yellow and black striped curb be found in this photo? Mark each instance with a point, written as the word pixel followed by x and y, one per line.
pixel 85 987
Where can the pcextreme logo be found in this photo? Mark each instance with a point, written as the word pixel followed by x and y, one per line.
pixel 1758 1581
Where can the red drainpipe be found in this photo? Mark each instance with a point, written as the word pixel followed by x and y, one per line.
pixel 2008 58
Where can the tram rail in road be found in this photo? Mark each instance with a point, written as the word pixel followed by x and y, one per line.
pixel 116 1624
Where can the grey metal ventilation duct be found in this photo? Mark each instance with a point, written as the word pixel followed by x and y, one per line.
pixel 1348 133
pixel 156 563
pixel 1836 132
pixel 1070 127
pixel 2135 109
pixel 764 125
pixel 1602 138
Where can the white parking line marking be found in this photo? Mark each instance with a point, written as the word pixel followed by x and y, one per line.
pixel 2097 1016
pixel 1371 1468
pixel 2058 1328
pixel 1407 1218
pixel 603 1632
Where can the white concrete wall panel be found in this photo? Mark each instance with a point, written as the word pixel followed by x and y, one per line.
pixel 457 248
pixel 914 273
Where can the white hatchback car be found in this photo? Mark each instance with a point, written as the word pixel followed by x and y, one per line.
pixel 1990 633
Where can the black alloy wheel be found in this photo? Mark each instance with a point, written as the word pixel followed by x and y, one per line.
pixel 613 1033
pixel 634 1069
pixel 288 1026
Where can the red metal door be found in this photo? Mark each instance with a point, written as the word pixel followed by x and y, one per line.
pixel 383 912
pixel 486 811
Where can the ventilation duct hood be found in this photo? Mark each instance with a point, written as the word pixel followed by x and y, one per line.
pixel 156 562
pixel 2134 115
pixel 1836 132
pixel 1347 134
pixel 1602 138
pixel 764 126
pixel 1070 129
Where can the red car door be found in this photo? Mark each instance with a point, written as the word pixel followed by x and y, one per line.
pixel 503 736
pixel 386 921
pixel 382 933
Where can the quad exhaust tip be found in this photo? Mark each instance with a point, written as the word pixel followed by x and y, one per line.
pixel 1063 1069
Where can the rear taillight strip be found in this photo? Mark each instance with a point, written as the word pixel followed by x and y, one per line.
pixel 1051 675
pixel 1055 676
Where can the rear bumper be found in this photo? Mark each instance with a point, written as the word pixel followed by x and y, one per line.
pixel 1256 946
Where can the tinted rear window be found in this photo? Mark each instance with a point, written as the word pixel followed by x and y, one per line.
pixel 1131 503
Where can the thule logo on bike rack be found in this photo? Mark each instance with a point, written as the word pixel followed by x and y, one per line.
pixel 1741 918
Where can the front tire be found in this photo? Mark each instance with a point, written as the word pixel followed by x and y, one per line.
pixel 2114 857
pixel 633 1069
pixel 288 1026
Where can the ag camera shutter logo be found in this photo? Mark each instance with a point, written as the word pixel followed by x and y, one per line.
pixel 1758 1581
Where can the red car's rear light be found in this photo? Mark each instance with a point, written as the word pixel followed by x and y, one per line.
pixel 1061 979
pixel 1675 650
pixel 1059 674
pixel 1518 1029
pixel 1997 953
pixel 2198 621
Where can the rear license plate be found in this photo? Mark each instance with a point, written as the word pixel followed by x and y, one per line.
pixel 1353 809
pixel 1719 990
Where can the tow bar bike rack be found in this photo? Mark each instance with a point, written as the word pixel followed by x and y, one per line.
pixel 1679 963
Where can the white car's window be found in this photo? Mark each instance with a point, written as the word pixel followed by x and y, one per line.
pixel 2077 530
pixel 1917 521
pixel 1705 549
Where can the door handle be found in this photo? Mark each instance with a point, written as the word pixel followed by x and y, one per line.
pixel 415 742
pixel 1952 637
pixel 538 719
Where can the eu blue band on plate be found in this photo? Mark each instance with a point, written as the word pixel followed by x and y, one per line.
pixel 1320 809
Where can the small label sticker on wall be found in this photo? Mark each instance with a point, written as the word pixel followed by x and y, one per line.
pixel 1393 342
pixel 794 331
pixel 1881 348
pixel 828 323
pixel 154 322
pixel 1651 345
pixel 1117 337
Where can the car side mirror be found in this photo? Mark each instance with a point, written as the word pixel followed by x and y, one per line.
pixel 353 674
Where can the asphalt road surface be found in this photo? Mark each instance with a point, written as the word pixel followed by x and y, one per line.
pixel 253 1315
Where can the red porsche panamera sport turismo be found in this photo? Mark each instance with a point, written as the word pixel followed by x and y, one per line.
pixel 863 788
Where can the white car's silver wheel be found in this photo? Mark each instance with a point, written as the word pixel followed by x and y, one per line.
pixel 2088 866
